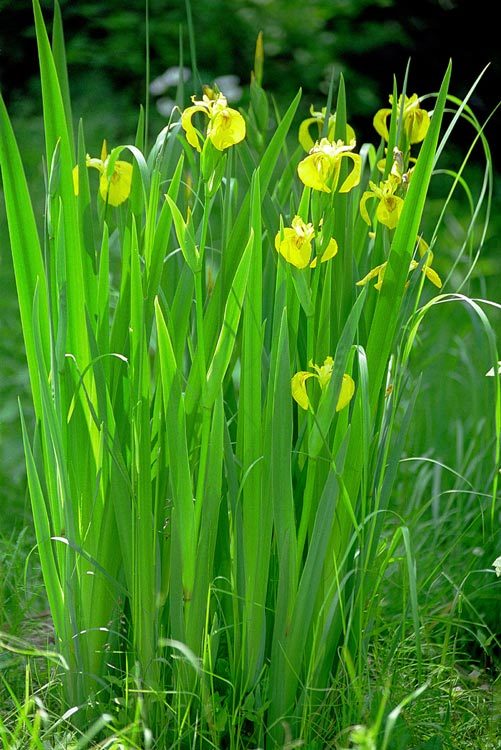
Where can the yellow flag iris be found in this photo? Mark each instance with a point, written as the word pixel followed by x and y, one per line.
pixel 390 205
pixel 316 121
pixel 429 272
pixel 323 374
pixel 294 244
pixel 226 126
pixel 321 168
pixel 426 268
pixel 416 121
pixel 114 189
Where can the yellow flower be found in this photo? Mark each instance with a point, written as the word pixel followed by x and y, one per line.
pixel 323 375
pixel 416 120
pixel 377 271
pixel 115 189
pixel 329 252
pixel 320 169
pixel 390 205
pixel 294 244
pixel 226 126
pixel 317 119
pixel 428 271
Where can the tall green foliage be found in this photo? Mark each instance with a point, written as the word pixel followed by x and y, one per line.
pixel 191 519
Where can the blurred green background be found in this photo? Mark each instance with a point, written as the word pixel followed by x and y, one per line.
pixel 369 41
pixel 305 42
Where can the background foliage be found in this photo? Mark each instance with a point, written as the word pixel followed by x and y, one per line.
pixel 369 41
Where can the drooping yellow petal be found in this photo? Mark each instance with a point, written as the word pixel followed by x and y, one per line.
pixel 294 242
pixel 380 122
pixel 304 137
pixel 75 179
pixel 297 253
pixel 424 249
pixel 116 189
pixel 368 195
pixel 417 125
pixel 186 124
pixel 354 176
pixel 298 387
pixel 380 278
pixel 377 271
pixel 315 171
pixel 390 205
pixel 432 276
pixel 329 252
pixel 389 210
pixel 346 393
pixel 226 128
pixel 416 120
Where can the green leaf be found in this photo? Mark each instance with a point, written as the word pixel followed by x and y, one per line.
pixel 227 335
pixel 25 246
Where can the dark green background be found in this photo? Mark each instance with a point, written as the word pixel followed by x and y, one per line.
pixel 368 41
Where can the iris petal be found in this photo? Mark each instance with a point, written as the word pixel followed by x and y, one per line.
pixel 292 248
pixel 368 195
pixel 75 179
pixel 304 137
pixel 377 271
pixel 186 124
pixel 380 122
pixel 432 276
pixel 389 210
pixel 298 387
pixel 315 171
pixel 329 252
pixel 116 189
pixel 226 128
pixel 346 393
pixel 354 176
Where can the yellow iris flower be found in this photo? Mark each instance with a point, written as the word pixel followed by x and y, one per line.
pixel 115 189
pixel 317 119
pixel 226 126
pixel 416 120
pixel 320 169
pixel 390 205
pixel 323 374
pixel 294 244
pixel 428 271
